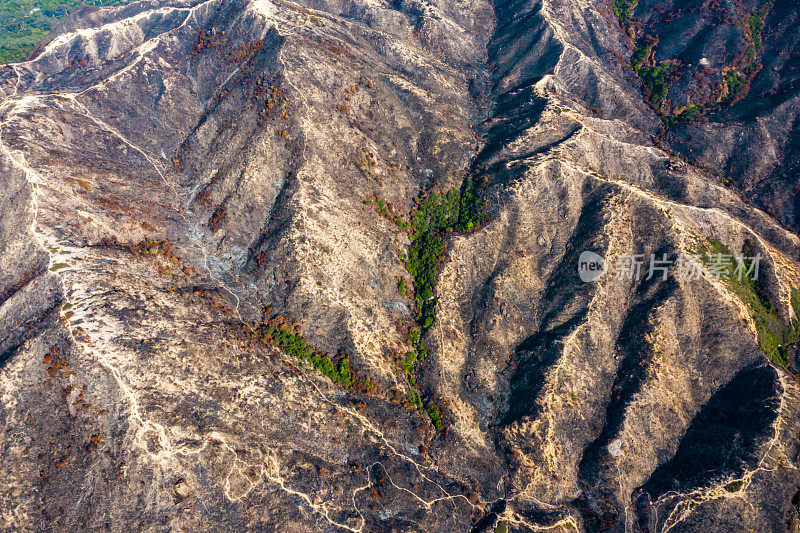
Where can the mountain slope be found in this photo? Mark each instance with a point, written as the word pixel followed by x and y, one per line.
pixel 271 265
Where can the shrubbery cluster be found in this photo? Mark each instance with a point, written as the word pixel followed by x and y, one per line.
pixel 773 335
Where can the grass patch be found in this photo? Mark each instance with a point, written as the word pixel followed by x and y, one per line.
pixel 773 336
pixel 58 266
pixel 401 287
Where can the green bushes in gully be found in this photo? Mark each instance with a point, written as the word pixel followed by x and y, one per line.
pixel 774 337
pixel 435 217
pixel 337 370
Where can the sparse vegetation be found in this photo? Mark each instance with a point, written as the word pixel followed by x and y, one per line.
pixel 368 158
pixel 58 266
pixel 773 336
pixel 502 527
pixel 734 486
pixel 384 208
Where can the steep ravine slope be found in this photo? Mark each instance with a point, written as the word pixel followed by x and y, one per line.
pixel 195 193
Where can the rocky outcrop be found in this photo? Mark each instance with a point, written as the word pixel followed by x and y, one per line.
pixel 208 237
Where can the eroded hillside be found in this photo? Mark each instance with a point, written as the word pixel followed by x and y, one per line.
pixel 290 266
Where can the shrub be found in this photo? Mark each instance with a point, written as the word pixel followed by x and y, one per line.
pixel 690 113
pixel 401 287
pixel 293 346
pixel 433 413
pixel 773 336
pixel 735 83
pixel 734 486
pixel 657 80
pixel 623 9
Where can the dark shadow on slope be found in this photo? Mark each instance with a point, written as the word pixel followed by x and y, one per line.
pixel 567 298
pixel 636 356
pixel 723 439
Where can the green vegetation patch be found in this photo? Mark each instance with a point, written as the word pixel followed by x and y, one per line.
pixel 502 527
pixel 735 83
pixel 58 266
pixel 436 216
pixel 754 26
pixel 690 113
pixel 734 486
pixel 623 9
pixel 425 407
pixel 338 371
pixel 657 80
pixel 26 22
pixel 773 336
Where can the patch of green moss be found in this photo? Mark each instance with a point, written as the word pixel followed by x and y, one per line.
pixel 502 527
pixel 58 266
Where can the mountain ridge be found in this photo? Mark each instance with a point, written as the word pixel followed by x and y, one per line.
pixel 180 176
